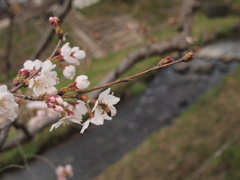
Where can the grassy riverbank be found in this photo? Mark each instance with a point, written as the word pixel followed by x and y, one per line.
pixel 202 143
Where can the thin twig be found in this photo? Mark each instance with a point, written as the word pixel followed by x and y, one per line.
pixel 23 128
pixel 32 98
pixel 25 160
pixel 122 80
pixel 44 159
pixel 11 166
pixel 53 53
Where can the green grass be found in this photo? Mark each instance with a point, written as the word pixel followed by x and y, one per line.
pixel 178 151
pixel 210 28
pixel 149 11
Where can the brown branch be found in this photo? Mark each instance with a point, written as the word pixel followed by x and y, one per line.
pixel 122 80
pixel 9 44
pixel 43 44
pixel 129 78
pixel 3 133
pixel 10 166
pixel 23 128
pixel 21 138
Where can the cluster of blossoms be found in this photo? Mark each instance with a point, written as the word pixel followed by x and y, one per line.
pixel 41 77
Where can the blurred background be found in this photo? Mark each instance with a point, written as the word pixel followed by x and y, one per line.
pixel 179 123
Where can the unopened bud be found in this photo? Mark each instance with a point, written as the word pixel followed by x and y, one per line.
pixel 58 108
pixel 188 57
pixel 54 21
pixel 167 60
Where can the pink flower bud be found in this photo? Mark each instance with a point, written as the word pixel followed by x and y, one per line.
pixel 68 170
pixel 58 108
pixel 59 100
pixel 50 105
pixel 52 99
pixel 54 21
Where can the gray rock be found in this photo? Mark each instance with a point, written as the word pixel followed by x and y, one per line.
pixel 223 67
pixel 164 117
pixel 181 68
pixel 202 67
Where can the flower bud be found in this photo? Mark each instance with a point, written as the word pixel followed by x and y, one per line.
pixel 54 21
pixel 82 82
pixel 188 57
pixel 69 72
pixel 167 60
pixel 58 108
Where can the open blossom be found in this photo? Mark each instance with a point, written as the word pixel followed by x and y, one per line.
pixel 82 82
pixel 72 55
pixel 64 172
pixel 73 114
pixel 8 107
pixel 103 109
pixel 32 65
pixel 44 83
pixel 69 72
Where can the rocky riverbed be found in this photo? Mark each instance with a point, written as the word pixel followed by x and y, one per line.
pixel 167 96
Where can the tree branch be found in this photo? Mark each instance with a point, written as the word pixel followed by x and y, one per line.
pixel 43 44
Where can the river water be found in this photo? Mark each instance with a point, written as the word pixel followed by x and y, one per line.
pixel 168 94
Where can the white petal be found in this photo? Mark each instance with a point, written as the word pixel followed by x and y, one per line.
pixel 113 110
pixel 110 99
pixel 79 54
pixel 103 94
pixel 95 106
pixel 85 126
pixel 3 88
pixel 75 121
pixel 69 72
pixel 56 125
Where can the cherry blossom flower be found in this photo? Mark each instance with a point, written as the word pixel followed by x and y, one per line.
pixel 104 105
pixel 69 72
pixel 64 172
pixel 32 65
pixel 64 121
pixel 8 107
pixel 73 114
pixel 79 110
pixel 103 109
pixel 44 83
pixel 82 82
pixel 72 55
